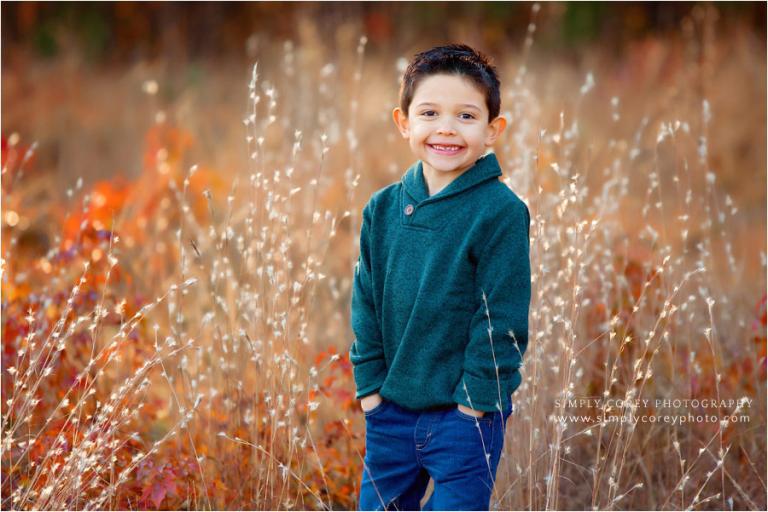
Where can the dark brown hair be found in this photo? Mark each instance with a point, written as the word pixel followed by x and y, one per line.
pixel 456 59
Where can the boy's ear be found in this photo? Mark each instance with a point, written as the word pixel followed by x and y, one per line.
pixel 495 129
pixel 401 121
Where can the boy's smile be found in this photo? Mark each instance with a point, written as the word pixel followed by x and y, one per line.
pixel 447 127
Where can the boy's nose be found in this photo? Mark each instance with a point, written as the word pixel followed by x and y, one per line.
pixel 446 128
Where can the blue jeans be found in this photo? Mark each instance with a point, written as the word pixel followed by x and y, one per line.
pixel 403 448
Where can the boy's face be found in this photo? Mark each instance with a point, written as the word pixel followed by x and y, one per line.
pixel 447 124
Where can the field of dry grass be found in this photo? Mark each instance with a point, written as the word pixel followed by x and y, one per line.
pixel 177 253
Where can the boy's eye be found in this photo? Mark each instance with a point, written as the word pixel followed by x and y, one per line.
pixel 429 113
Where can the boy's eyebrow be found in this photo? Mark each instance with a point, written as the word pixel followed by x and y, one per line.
pixel 468 105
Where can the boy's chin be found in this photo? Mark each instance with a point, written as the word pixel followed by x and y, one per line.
pixel 445 167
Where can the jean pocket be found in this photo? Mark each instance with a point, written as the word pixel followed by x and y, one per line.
pixel 486 418
pixel 375 410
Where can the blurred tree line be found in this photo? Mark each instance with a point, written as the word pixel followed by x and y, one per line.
pixel 116 32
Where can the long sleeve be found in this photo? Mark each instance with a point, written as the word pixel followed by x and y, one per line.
pixel 504 275
pixel 367 352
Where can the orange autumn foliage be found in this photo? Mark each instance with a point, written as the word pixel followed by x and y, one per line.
pixel 107 201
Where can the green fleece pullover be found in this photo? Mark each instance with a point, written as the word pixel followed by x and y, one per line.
pixel 428 268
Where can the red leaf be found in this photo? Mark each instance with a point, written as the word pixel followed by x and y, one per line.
pixel 158 494
pixel 170 485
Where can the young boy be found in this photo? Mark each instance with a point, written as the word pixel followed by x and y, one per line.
pixel 441 295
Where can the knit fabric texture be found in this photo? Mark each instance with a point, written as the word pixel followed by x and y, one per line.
pixel 441 291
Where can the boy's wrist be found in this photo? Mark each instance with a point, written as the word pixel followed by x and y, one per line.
pixel 369 402
pixel 472 412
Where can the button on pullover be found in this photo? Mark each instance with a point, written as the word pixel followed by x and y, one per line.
pixel 441 291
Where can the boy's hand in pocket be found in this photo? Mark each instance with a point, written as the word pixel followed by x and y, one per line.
pixel 369 402
pixel 466 410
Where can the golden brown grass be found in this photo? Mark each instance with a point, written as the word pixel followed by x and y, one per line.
pixel 210 372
